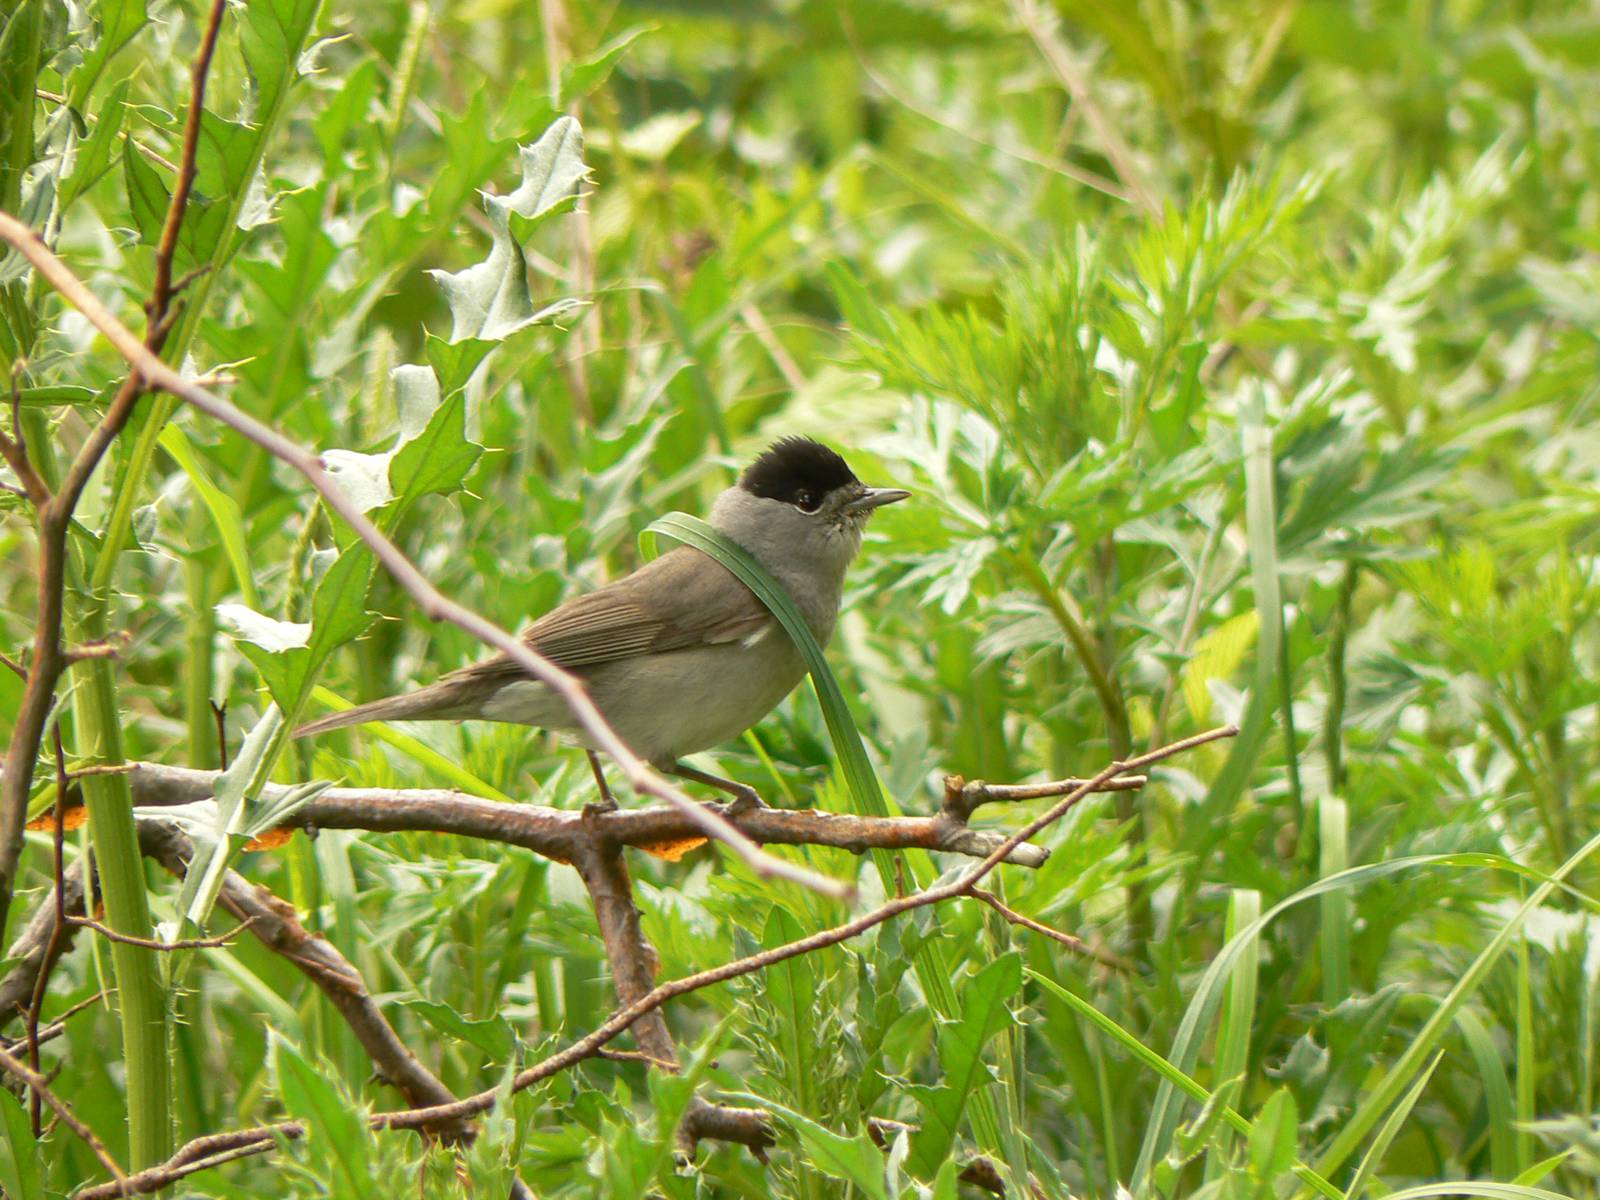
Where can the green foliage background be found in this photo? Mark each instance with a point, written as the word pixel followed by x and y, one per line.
pixel 1254 383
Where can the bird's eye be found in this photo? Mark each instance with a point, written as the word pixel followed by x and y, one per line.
pixel 807 501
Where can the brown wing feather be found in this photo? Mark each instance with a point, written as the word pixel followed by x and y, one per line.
pixel 680 600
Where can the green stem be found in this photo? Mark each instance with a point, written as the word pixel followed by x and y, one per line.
pixel 1333 719
pixel 202 623
pixel 140 995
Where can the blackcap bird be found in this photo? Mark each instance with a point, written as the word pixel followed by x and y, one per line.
pixel 680 656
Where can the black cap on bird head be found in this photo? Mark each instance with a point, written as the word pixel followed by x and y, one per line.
pixel 795 470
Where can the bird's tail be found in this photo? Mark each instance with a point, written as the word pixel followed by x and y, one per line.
pixel 419 705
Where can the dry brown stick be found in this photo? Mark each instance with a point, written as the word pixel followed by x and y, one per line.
pixel 41 1087
pixel 433 603
pixel 198 943
pixel 58 930
pixel 1075 944
pixel 633 968
pixel 187 1160
pixel 198 1155
pixel 661 993
pixel 555 832
pixel 54 512
pixel 161 290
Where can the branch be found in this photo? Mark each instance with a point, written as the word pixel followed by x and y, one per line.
pixel 433 604
pixel 560 834
pixel 217 1148
pixel 962 885
pixel 161 292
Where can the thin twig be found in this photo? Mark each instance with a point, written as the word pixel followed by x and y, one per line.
pixel 161 290
pixel 433 604
pixel 58 932
pixel 962 884
pixel 207 1151
pixel 197 1155
pixel 1075 944
pixel 199 943
pixel 41 1087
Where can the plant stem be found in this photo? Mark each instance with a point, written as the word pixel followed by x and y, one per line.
pixel 140 996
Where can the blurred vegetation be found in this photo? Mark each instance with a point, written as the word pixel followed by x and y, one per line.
pixel 1243 360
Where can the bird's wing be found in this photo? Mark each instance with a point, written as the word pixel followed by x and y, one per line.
pixel 682 599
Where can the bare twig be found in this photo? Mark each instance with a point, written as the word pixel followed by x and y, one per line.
pixel 1076 944
pixel 963 884
pixel 197 1155
pixel 558 833
pixel 199 943
pixel 963 797
pixel 41 1087
pixel 161 291
pixel 731 1124
pixel 273 922
pixel 58 930
pixel 433 604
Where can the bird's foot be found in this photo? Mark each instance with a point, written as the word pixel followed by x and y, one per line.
pixel 745 800
pixel 599 808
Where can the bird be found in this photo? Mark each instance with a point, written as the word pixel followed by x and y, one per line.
pixel 679 655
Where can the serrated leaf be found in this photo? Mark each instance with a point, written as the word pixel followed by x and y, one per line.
pixel 272 34
pixel 493 1035
pixel 552 171
pixel 985 1010
pixel 856 1160
pixel 454 362
pixel 332 1119
pixel 119 21
pixel 94 155
pixel 439 458
pixel 288 654
pixel 1274 1137
pixel 147 195
pixel 580 78
pixel 491 299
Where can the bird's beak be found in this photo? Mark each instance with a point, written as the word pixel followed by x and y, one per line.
pixel 876 498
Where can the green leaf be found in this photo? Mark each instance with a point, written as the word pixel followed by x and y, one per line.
pixel 224 510
pixel 438 458
pixel 855 1160
pixel 1274 1138
pixel 985 1011
pixel 454 362
pixel 493 1035
pixel 491 300
pixel 552 172
pixel 20 1176
pixel 147 195
pixel 119 21
pixel 333 1120
pixel 290 653
pixel 581 77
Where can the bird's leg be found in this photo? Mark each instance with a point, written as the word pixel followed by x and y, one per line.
pixel 744 798
pixel 607 802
